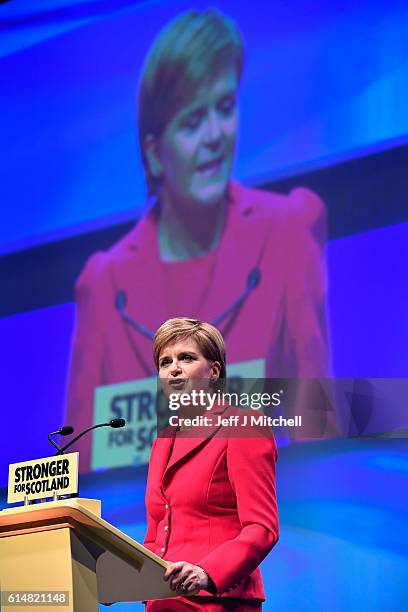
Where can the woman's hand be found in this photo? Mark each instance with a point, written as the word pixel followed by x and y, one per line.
pixel 186 578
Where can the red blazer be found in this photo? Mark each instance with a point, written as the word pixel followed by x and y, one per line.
pixel 282 320
pixel 222 513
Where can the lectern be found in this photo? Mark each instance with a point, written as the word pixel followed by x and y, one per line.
pixel 66 547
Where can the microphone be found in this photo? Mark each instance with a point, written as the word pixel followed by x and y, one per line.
pixel 66 430
pixel 253 280
pixel 121 299
pixel 115 423
pixel 120 303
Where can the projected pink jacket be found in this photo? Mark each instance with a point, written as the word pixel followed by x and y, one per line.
pixel 282 320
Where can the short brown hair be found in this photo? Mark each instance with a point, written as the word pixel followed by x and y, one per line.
pixel 208 338
pixel 189 52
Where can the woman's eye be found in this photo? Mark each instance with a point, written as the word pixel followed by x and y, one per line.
pixel 187 358
pixel 191 122
pixel 227 105
pixel 164 363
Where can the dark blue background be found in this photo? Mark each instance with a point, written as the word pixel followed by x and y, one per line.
pixel 324 85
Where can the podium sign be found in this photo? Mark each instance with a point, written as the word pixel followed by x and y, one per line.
pixel 41 478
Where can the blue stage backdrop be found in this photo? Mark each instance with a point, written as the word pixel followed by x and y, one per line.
pixel 321 105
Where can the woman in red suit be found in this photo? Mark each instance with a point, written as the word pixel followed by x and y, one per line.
pixel 249 261
pixel 211 500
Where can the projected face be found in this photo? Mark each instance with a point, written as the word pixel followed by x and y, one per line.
pixel 183 367
pixel 194 155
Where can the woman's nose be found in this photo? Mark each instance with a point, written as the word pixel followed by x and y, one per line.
pixel 213 130
pixel 175 368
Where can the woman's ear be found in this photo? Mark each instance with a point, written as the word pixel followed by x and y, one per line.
pixel 150 147
pixel 215 371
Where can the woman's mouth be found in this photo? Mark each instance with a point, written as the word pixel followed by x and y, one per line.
pixel 177 383
pixel 211 167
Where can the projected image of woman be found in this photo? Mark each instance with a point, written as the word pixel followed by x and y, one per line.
pixel 249 261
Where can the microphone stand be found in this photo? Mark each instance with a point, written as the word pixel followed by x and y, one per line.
pixel 115 423
pixel 55 445
pixel 71 442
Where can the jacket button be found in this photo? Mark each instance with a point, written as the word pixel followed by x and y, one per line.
pixel 167 506
pixel 166 528
pixel 163 549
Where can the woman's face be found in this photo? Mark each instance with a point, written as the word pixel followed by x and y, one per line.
pixel 183 367
pixel 194 156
